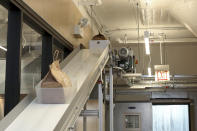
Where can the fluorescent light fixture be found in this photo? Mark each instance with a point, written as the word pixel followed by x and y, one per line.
pixel 146 40
pixel 3 48
pixel 147 46
pixel 149 71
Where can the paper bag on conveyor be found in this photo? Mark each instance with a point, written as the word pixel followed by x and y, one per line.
pixel 50 82
pixel 55 78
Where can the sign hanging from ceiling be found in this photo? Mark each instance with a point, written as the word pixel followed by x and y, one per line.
pixel 162 73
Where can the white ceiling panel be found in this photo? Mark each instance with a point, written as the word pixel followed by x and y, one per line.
pixel 119 17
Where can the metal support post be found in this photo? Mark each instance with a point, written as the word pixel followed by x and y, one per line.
pixel 88 113
pixel 100 101
pixel 13 59
pixel 111 103
pixel 47 55
pixel 84 120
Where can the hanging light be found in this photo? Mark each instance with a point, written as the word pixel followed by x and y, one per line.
pixel 149 71
pixel 147 44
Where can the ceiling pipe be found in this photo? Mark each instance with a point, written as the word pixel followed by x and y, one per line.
pixel 168 40
pixel 144 28
pixel 159 86
pixel 166 85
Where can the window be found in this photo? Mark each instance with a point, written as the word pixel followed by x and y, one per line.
pixel 170 118
pixel 132 122
pixel 3 45
pixel 30 59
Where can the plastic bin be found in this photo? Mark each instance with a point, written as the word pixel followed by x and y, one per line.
pixel 55 95
pixel 51 95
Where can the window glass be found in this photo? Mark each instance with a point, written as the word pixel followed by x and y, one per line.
pixel 132 121
pixel 170 118
pixel 3 46
pixel 31 59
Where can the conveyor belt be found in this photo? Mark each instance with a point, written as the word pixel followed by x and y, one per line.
pixel 83 69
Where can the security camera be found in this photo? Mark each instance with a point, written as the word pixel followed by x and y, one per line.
pixel 83 22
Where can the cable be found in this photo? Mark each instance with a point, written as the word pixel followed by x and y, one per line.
pixel 150 60
pixel 133 6
pixel 161 53
pixel 100 26
pixel 92 19
pixel 91 13
pixel 138 31
pixel 143 65
pixel 148 28
pixel 25 42
pixel 125 39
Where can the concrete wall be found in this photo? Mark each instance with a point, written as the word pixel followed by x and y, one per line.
pixel 62 15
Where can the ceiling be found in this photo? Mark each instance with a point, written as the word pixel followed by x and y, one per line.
pixel 119 18
pixel 171 21
pixel 174 19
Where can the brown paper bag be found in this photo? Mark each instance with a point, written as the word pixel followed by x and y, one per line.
pixel 50 82
pixel 59 76
pixel 55 77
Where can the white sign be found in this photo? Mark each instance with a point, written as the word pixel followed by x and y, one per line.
pixel 162 73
